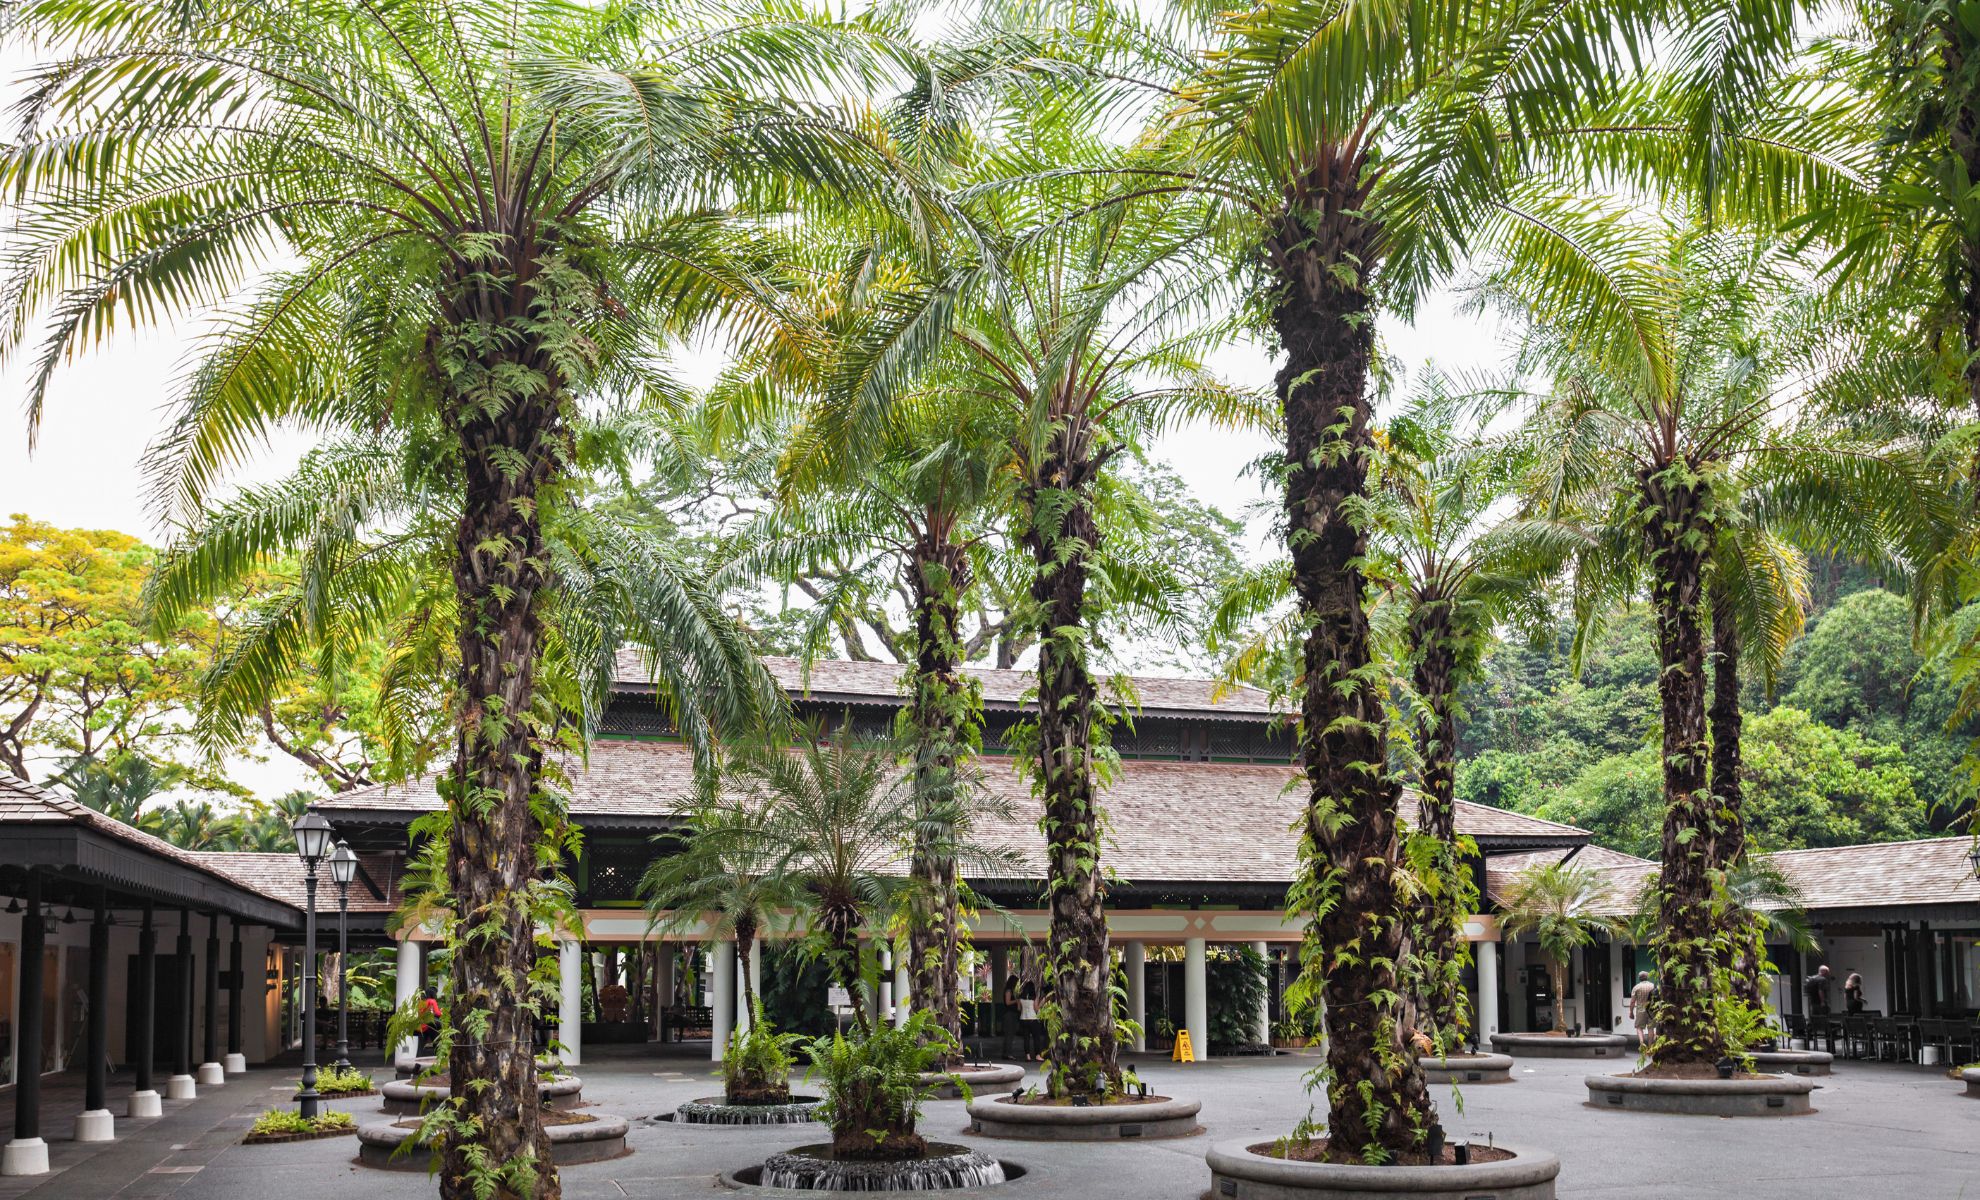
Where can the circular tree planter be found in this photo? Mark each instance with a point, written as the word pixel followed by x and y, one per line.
pixel 418 1066
pixel 715 1110
pixel 1794 1062
pixel 589 1138
pixel 1237 1172
pixel 1548 1045
pixel 1765 1096
pixel 1155 1117
pixel 982 1078
pixel 1971 1077
pixel 404 1097
pixel 944 1167
pixel 1467 1068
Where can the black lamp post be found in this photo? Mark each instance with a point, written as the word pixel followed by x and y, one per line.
pixel 343 869
pixel 313 835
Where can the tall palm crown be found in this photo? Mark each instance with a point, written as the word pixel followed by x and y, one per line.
pixel 1704 394
pixel 728 870
pixel 448 223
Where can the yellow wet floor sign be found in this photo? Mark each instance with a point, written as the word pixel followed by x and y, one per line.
pixel 1183 1052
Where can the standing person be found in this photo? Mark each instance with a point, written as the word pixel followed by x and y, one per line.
pixel 1640 997
pixel 1853 992
pixel 1028 1022
pixel 1010 1016
pixel 1816 988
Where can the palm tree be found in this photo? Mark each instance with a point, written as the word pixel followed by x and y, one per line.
pixel 1564 907
pixel 1656 425
pixel 910 517
pixel 726 867
pixel 841 822
pixel 486 229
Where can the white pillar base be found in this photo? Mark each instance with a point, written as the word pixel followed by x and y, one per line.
pixel 96 1125
pixel 234 1063
pixel 180 1087
pixel 211 1075
pixel 24 1156
pixel 145 1104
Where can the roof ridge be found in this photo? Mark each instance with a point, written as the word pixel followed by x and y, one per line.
pixel 1924 841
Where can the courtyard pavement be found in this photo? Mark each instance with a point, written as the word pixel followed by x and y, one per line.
pixel 1881 1131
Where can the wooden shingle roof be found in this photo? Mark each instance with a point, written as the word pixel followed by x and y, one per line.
pixel 1169 821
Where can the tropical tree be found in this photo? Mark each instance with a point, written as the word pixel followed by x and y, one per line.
pixel 1656 428
pixel 450 225
pixel 910 517
pixel 1068 321
pixel 1564 906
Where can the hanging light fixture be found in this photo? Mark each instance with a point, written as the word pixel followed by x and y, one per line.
pixel 68 914
pixel 13 905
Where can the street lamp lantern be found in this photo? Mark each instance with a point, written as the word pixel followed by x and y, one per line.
pixel 313 835
pixel 343 869
pixel 1973 856
pixel 343 864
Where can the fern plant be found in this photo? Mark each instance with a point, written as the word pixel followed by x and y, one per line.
pixel 874 1085
pixel 756 1067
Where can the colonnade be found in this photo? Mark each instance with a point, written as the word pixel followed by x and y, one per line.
pixel 728 1012
pixel 26 1153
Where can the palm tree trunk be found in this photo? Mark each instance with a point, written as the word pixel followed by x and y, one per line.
pixel 510 444
pixel 943 713
pixel 1062 536
pixel 1675 504
pixel 1726 721
pixel 1437 919
pixel 1378 1105
pixel 1745 957
pixel 745 938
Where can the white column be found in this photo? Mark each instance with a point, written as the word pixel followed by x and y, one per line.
pixel 1265 998
pixel 1196 997
pixel 570 1007
pixel 885 997
pixel 723 1006
pixel 902 1006
pixel 1134 964
pixel 405 988
pixel 1487 954
pixel 663 975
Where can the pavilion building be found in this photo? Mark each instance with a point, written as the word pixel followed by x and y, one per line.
pixel 181 966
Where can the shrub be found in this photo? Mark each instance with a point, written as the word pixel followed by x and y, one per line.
pixel 873 1087
pixel 1236 978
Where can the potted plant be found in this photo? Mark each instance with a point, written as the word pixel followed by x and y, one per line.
pixel 1162 1036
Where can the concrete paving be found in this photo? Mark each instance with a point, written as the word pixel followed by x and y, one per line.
pixel 1880 1131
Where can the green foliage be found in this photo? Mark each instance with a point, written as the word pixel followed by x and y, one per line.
pixel 793 990
pixel 873 1086
pixel 334 1081
pixel 1236 980
pixel 278 1121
